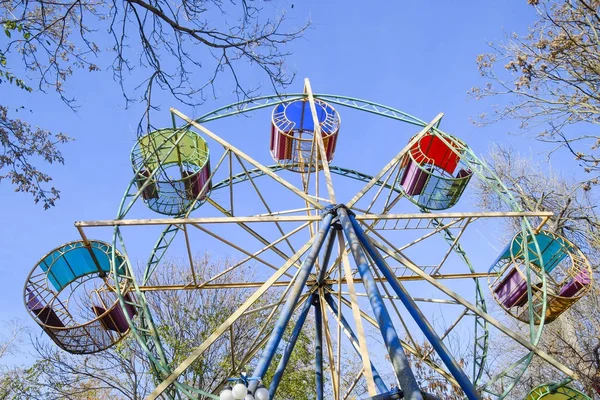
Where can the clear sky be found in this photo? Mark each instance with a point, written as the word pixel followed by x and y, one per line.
pixel 417 56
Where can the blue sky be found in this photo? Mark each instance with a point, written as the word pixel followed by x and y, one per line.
pixel 417 56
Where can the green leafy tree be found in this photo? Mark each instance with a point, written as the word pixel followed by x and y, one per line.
pixel 299 380
pixel 23 145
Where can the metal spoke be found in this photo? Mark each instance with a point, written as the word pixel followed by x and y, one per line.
pixel 356 313
pixel 393 162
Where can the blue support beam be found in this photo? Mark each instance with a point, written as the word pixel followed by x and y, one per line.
pixel 396 394
pixel 326 256
pixel 290 304
pixel 381 387
pixel 318 348
pixel 290 347
pixel 461 378
pixel 405 376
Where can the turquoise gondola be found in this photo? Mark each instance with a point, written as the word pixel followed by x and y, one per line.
pixel 69 293
pixel 567 273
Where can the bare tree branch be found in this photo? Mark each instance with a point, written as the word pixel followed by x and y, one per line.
pixel 190 50
pixel 551 78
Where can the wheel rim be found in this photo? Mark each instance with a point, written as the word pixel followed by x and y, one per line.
pixel 479 169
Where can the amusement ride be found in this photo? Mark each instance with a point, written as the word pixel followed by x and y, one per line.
pixel 353 253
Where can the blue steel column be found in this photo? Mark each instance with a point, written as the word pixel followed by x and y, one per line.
pixel 290 304
pixel 319 317
pixel 326 256
pixel 290 347
pixel 405 376
pixel 439 346
pixel 376 377
pixel 318 348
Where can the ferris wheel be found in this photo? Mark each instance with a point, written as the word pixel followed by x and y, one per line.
pixel 366 255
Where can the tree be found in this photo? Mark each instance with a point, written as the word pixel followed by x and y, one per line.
pixel 12 339
pixel 15 381
pixel 432 384
pixel 575 216
pixel 155 46
pixel 22 145
pixel 184 320
pixel 118 373
pixel 550 78
pixel 573 337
